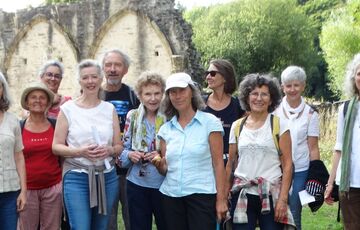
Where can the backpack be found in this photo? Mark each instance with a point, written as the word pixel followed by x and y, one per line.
pixel 275 129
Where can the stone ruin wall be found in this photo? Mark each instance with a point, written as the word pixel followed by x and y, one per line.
pixel 151 32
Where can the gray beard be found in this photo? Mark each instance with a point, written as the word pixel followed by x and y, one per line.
pixel 113 81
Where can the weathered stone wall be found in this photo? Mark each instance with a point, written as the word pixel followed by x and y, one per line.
pixel 151 32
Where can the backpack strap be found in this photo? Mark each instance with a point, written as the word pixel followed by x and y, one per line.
pixel 275 130
pixel 51 120
pixel 238 127
pixel 346 105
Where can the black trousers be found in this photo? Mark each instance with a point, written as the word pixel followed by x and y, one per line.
pixel 193 212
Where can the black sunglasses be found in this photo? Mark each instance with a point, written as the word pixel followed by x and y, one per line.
pixel 212 73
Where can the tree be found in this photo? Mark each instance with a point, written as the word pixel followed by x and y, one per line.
pixel 255 35
pixel 340 40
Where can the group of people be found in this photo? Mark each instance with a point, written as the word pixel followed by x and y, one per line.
pixel 166 151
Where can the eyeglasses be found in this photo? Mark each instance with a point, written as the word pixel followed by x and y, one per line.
pixel 212 73
pixel 257 94
pixel 50 75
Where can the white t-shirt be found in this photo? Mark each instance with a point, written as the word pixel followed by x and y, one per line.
pixel 355 147
pixel 258 156
pixel 80 121
pixel 302 127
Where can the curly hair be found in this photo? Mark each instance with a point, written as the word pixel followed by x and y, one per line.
pixel 149 78
pixel 227 70
pixel 5 99
pixel 251 81
pixel 197 103
pixel 350 88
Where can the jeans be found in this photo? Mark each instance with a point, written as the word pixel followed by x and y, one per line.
pixel 143 203
pixel 8 212
pixel 299 180
pixel 77 201
pixel 265 221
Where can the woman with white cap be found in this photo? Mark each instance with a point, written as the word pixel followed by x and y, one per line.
pixel 191 159
pixel 44 194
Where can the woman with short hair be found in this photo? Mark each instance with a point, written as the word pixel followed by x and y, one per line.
pixel 140 147
pixel 87 135
pixel 260 181
pixel 303 123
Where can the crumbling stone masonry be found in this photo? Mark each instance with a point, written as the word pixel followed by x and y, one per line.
pixel 151 32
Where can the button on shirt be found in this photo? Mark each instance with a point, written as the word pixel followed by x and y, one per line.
pixel 188 155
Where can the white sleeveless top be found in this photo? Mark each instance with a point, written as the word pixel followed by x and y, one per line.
pixel 81 120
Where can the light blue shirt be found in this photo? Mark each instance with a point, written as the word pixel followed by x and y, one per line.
pixel 188 155
pixel 145 175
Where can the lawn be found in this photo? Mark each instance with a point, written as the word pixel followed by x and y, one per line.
pixel 323 219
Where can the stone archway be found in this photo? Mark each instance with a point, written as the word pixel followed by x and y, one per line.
pixel 140 38
pixel 41 40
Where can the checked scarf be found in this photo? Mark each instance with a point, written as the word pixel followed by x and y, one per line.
pixel 265 188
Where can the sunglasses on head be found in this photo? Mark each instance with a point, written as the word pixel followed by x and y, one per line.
pixel 212 73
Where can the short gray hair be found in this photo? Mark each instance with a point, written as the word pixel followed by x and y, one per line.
pixel 349 83
pixel 292 73
pixel 197 103
pixel 5 100
pixel 89 63
pixel 49 63
pixel 124 56
pixel 149 78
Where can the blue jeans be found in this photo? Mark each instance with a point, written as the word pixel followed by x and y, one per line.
pixel 77 201
pixel 8 212
pixel 143 203
pixel 299 179
pixel 254 215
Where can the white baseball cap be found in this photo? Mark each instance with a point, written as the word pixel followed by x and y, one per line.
pixel 178 80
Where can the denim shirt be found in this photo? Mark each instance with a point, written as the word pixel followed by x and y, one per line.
pixel 188 155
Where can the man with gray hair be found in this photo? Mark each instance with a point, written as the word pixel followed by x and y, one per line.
pixel 115 65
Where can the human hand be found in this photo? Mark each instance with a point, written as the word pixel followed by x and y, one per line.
pixel 160 163
pixel 150 155
pixel 327 195
pixel 221 209
pixel 21 201
pixel 135 156
pixel 281 208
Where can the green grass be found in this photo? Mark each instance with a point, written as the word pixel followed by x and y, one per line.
pixel 323 219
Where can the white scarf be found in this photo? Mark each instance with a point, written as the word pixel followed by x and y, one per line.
pixel 292 114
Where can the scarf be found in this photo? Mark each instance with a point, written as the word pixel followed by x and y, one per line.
pixel 138 141
pixel 264 188
pixel 292 114
pixel 346 147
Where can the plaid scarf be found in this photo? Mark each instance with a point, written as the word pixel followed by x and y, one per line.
pixel 346 147
pixel 265 188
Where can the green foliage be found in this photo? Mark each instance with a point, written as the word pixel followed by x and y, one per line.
pixel 340 40
pixel 255 35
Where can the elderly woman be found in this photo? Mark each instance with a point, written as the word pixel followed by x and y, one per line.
pixel 44 194
pixel 51 74
pixel 87 134
pixel 345 166
pixel 191 158
pixel 263 165
pixel 220 78
pixel 140 147
pixel 304 131
pixel 12 163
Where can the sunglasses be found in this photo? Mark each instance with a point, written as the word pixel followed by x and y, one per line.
pixel 212 73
